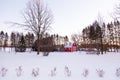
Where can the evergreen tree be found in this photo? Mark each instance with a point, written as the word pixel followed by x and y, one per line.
pixel 12 39
pixel 21 47
pixel 92 34
pixel 29 40
pixel 1 38
pixel 95 35
pixel 6 40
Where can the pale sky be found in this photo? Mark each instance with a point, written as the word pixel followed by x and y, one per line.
pixel 70 16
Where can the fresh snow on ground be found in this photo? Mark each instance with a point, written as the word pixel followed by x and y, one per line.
pixel 59 66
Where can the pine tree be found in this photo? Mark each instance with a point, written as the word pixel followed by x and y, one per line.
pixel 1 38
pixel 12 39
pixel 21 47
pixel 5 41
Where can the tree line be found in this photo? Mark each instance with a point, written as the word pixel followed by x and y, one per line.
pixel 104 38
pixel 11 40
pixel 17 40
pixel 38 19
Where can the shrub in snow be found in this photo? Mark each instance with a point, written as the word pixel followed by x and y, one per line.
pixel 35 72
pixel 67 71
pixel 45 53
pixel 54 72
pixel 3 71
pixel 85 72
pixel 19 71
pixel 100 73
pixel 118 72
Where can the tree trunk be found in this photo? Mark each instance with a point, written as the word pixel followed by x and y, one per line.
pixel 38 48
pixel 38 44
pixel 101 45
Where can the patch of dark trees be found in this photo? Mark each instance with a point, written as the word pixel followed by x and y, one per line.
pixel 20 41
pixel 47 44
pixel 103 38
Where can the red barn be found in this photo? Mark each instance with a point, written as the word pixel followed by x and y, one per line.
pixel 70 47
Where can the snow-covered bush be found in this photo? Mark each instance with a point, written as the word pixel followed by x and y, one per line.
pixel 3 71
pixel 19 71
pixel 85 72
pixel 35 72
pixel 67 71
pixel 100 72
pixel 118 72
pixel 54 72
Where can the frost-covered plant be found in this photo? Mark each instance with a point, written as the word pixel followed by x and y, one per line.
pixel 100 72
pixel 3 71
pixel 67 71
pixel 19 71
pixel 35 72
pixel 85 72
pixel 54 72
pixel 118 72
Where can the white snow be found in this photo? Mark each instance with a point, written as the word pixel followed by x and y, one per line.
pixel 68 44
pixel 58 66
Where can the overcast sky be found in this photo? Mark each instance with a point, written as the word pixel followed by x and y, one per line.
pixel 70 16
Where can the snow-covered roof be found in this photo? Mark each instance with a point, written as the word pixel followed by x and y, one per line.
pixel 68 44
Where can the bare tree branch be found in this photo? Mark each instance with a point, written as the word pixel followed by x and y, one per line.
pixel 37 18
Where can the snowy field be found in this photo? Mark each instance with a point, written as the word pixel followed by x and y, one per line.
pixel 59 66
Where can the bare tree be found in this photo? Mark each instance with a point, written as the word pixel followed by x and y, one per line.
pixel 38 19
pixel 116 14
pixel 76 38
pixel 100 19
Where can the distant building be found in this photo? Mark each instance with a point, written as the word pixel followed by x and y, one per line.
pixel 70 47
